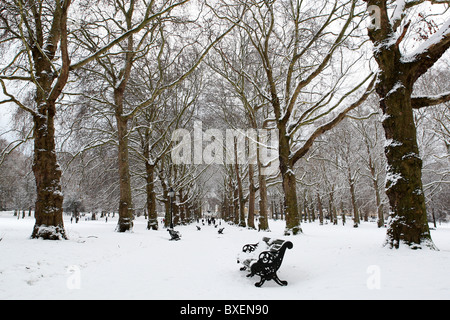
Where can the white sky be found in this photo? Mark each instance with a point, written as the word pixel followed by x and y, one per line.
pixel 6 111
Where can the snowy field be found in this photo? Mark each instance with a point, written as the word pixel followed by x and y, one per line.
pixel 326 262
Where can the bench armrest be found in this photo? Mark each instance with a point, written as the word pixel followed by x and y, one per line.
pixel 266 257
pixel 249 247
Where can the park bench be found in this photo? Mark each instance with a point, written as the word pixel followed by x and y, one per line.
pixel 174 235
pixel 264 259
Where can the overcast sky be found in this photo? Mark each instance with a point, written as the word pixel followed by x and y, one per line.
pixel 5 118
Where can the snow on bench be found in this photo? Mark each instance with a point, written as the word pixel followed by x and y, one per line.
pixel 174 235
pixel 264 259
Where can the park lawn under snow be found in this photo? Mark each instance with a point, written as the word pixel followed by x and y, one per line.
pixel 326 262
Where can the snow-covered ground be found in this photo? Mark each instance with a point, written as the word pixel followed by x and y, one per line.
pixel 326 262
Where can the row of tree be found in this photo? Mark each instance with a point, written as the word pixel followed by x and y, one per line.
pixel 344 174
pixel 304 55
pixel 119 77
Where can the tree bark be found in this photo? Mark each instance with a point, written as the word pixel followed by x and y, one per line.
pixel 380 207
pixel 125 222
pixel 240 192
pixel 408 218
pixel 236 203
pixel 49 223
pixel 182 207
pixel 331 207
pixel 48 208
pixel 356 218
pixel 290 204
pixel 251 197
pixel 263 224
pixel 375 183
pixel 319 201
pixel 408 221
pixel 152 223
pixel 263 202
pixel 289 184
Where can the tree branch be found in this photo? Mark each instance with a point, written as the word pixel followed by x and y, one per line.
pixel 410 4
pixel 13 99
pixel 64 73
pixel 430 51
pixel 419 102
pixel 124 36
pixel 333 123
pixel 21 78
pixel 180 79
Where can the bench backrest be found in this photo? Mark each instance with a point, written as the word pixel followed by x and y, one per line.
pixel 173 233
pixel 274 256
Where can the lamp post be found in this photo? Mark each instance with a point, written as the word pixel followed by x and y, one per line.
pixel 171 195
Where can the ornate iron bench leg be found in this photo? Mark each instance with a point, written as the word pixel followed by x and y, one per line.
pixel 259 284
pixel 280 282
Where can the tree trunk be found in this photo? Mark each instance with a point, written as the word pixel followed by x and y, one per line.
pixel 240 193
pixel 312 209
pixel 290 204
pixel 263 204
pixel 319 201
pixel 356 219
pixel 373 173
pixel 251 198
pixel 380 207
pixel 289 184
pixel 49 223
pixel 48 208
pixel 152 223
pixel 165 193
pixel 168 213
pixel 408 221
pixel 263 201
pixel 408 218
pixel 331 208
pixel 306 209
pixel 125 222
pixel 236 205
pixel 343 213
pixel 182 207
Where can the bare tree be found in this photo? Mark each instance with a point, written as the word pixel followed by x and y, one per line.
pixel 401 63
pixel 151 141
pixel 40 59
pixel 293 63
pixel 235 59
pixel 16 180
pixel 37 30
pixel 372 158
pixel 433 137
pixel 164 50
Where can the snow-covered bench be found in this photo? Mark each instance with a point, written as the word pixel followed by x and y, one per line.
pixel 174 235
pixel 264 259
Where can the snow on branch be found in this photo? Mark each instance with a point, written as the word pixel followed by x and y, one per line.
pixel 435 45
pixel 410 4
pixel 418 102
pixel 398 13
